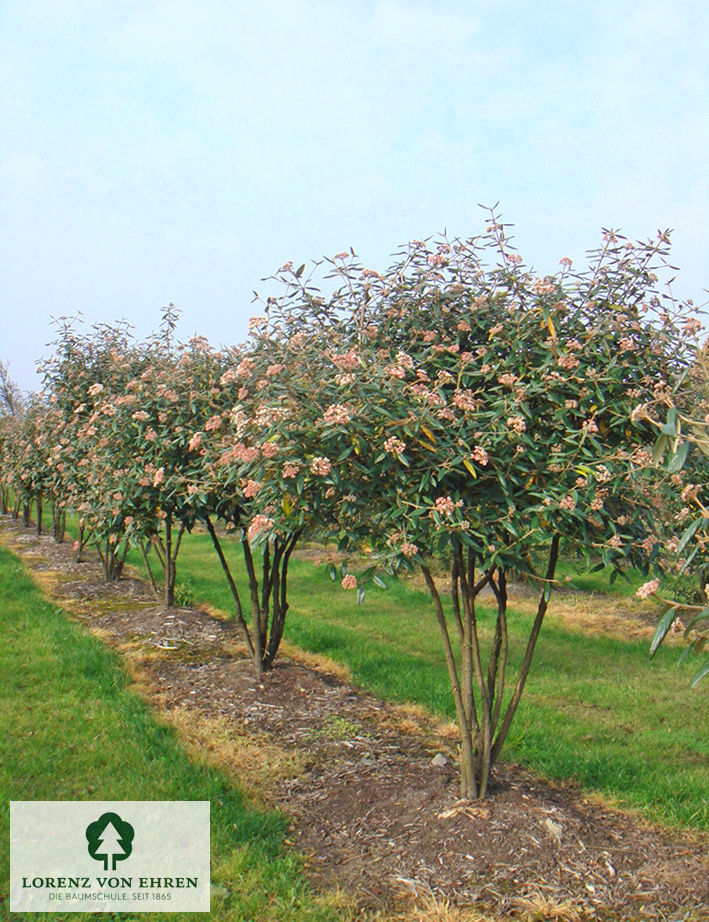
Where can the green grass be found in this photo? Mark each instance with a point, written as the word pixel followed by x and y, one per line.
pixel 599 581
pixel 71 728
pixel 595 709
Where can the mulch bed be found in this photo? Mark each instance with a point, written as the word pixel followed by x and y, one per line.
pixel 372 813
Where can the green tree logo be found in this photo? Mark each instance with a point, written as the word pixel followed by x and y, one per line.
pixel 110 840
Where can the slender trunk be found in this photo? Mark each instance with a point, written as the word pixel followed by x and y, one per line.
pixel 482 738
pixel 121 559
pixel 39 513
pixel 257 632
pixel 148 567
pixel 16 510
pixel 468 786
pixel 169 568
pixel 26 515
pixel 502 648
pixel 80 542
pixel 232 586
pixel 280 600
pixel 529 652
pixel 3 501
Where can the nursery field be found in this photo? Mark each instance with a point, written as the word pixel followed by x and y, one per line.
pixel 597 710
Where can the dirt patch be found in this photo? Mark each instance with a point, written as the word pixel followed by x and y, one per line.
pixel 370 810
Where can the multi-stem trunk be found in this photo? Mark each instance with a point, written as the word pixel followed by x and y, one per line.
pixel 113 557
pixel 58 522
pixel 479 690
pixel 80 541
pixel 166 550
pixel 268 594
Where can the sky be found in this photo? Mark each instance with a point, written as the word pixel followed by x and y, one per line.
pixel 174 151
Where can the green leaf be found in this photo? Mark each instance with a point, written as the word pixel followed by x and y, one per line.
pixel 547 592
pixel 699 674
pixel 676 462
pixel 670 427
pixel 689 533
pixel 661 447
pixel 361 594
pixel 663 626
pixel 300 271
pixel 378 581
pixel 333 572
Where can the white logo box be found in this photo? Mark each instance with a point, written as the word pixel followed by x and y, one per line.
pixel 138 856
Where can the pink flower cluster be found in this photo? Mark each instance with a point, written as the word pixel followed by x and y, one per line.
pixel 258 524
pixel 290 470
pixel 516 424
pixel 349 581
pixel 321 467
pixel 480 455
pixel 569 362
pixel 464 400
pixel 648 589
pixel 214 422
pixel 394 446
pixel 269 449
pixel 444 505
pixel 347 361
pixel 337 414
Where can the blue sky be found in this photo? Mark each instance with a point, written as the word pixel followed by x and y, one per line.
pixel 180 151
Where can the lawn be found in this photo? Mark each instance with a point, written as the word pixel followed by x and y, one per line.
pixel 72 728
pixel 596 708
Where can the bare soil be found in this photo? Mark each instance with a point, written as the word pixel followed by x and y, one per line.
pixel 370 811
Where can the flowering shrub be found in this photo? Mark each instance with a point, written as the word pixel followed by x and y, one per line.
pixel 489 417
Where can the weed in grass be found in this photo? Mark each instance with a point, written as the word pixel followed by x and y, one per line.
pixel 340 728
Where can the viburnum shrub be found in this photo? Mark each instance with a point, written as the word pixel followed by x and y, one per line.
pixel 27 467
pixel 87 378
pixel 257 485
pixel 464 416
pixel 174 395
